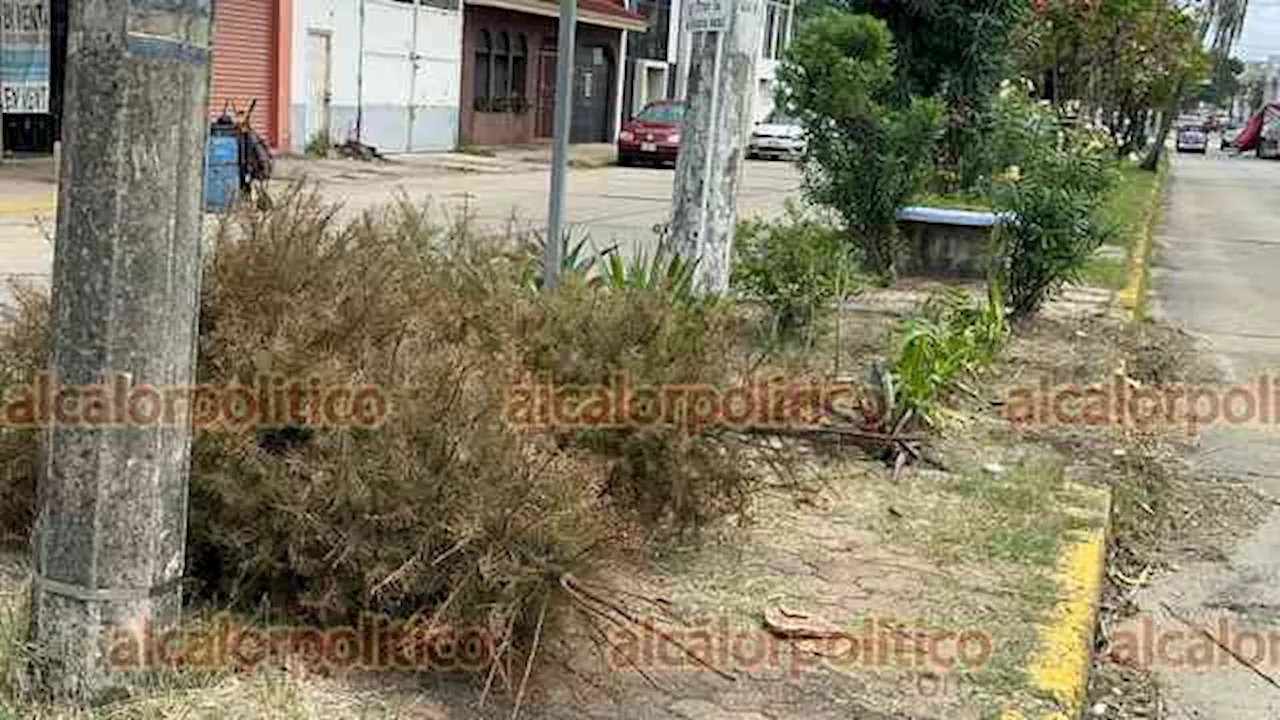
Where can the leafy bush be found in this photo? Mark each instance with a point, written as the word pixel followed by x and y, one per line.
pixel 1055 187
pixel 796 268
pixel 954 337
pixel 866 153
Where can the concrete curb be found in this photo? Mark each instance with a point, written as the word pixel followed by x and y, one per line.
pixel 1132 298
pixel 1060 667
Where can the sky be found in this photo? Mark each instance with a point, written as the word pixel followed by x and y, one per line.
pixel 1261 36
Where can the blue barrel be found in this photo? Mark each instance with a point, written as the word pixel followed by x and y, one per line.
pixel 221 168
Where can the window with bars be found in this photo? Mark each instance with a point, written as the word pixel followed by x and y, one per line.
pixel 652 43
pixel 501 64
pixel 777 29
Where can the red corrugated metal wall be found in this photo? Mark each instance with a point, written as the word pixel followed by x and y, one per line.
pixel 244 61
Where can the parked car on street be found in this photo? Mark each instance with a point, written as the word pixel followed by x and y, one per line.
pixel 1192 138
pixel 779 136
pixel 653 135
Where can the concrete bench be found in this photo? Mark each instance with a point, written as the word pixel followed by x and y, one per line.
pixel 941 242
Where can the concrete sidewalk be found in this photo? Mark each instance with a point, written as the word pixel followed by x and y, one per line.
pixel 1218 257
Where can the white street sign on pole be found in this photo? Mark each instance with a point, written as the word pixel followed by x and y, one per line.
pixel 709 15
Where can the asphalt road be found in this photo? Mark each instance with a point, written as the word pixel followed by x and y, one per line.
pixel 1218 275
pixel 611 206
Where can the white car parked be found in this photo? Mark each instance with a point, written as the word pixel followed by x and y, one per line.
pixel 779 136
pixel 1192 138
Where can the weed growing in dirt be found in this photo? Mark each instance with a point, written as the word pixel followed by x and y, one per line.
pixel 23 348
pixel 796 268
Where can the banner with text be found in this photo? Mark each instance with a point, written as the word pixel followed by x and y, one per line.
pixel 24 55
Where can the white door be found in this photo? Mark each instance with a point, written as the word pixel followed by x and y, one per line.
pixel 412 75
pixel 319 94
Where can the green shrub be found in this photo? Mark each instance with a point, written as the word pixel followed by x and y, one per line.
pixel 1055 187
pixel 953 338
pixel 795 267
pixel 867 154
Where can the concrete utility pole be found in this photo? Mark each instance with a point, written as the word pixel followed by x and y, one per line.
pixel 725 44
pixel 565 40
pixel 112 499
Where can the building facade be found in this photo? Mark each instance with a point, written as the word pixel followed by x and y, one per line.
pixel 779 19
pixel 652 55
pixel 1271 80
pixel 509 58
pixel 251 57
pixel 385 72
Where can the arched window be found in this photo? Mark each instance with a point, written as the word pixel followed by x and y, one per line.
pixel 502 67
pixel 484 53
pixel 519 53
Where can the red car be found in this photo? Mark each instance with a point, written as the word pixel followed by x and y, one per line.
pixel 653 135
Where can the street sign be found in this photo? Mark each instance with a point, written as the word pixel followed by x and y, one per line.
pixel 24 65
pixel 709 15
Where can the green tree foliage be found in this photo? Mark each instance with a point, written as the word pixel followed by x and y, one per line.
pixel 1053 192
pixel 1226 85
pixel 867 154
pixel 1116 61
pixel 956 50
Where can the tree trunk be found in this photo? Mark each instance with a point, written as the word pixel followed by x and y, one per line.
pixel 717 121
pixel 1170 113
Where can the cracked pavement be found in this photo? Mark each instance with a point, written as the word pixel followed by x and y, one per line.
pixel 1217 260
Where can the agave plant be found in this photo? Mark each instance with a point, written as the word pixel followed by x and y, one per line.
pixel 952 339
pixel 577 259
pixel 663 271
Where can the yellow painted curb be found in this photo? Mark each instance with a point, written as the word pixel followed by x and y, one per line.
pixel 28 206
pixel 1060 667
pixel 1130 297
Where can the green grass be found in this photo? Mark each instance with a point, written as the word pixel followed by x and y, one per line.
pixel 980 517
pixel 1128 208
pixel 1105 272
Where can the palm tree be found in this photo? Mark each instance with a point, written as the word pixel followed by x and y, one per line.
pixel 1225 18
